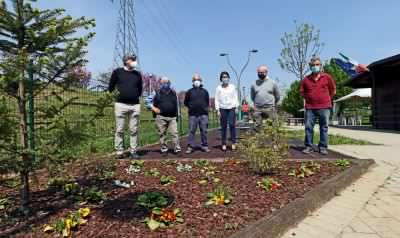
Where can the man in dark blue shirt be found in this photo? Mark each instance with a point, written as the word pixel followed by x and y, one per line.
pixel 197 100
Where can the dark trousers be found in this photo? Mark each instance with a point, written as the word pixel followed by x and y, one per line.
pixel 202 122
pixel 323 118
pixel 228 118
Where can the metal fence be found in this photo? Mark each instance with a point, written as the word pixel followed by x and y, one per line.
pixel 101 132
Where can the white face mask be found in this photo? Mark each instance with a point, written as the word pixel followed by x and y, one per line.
pixel 225 80
pixel 132 64
pixel 197 83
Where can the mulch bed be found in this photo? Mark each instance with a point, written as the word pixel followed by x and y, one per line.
pixel 120 216
pixel 153 152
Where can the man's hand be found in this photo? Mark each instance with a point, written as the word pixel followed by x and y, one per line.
pixel 155 110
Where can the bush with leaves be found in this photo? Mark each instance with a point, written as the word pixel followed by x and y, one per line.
pixel 101 168
pixel 152 199
pixel 267 148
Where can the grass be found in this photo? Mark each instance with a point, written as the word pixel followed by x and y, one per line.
pixel 333 139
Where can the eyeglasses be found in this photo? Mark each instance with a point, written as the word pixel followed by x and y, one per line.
pixel 315 64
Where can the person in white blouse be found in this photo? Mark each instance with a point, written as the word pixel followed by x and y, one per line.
pixel 226 104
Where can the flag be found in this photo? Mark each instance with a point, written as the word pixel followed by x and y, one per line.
pixel 350 66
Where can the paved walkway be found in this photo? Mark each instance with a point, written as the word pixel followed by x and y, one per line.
pixel 370 208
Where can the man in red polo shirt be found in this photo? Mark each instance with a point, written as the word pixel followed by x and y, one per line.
pixel 318 89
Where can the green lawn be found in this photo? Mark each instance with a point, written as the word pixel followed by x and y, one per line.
pixel 333 139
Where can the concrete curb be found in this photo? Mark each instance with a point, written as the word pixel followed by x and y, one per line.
pixel 280 221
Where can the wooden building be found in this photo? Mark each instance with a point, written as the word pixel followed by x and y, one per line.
pixel 384 80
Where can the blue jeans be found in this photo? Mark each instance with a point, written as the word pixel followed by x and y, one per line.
pixel 202 122
pixel 228 118
pixel 323 117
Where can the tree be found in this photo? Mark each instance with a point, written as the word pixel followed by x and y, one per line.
pixel 340 78
pixel 40 48
pixel 293 101
pixel 298 48
pixel 81 76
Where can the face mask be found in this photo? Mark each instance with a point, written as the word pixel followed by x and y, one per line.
pixel 315 69
pixel 262 75
pixel 197 83
pixel 165 86
pixel 225 80
pixel 133 64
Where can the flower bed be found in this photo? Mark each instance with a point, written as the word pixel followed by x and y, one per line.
pixel 211 199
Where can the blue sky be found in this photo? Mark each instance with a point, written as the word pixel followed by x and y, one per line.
pixel 180 37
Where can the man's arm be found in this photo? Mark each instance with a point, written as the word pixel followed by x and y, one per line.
pixel 277 94
pixel 140 86
pixel 156 103
pixel 113 81
pixel 186 101
pixel 301 88
pixel 207 99
pixel 252 93
pixel 332 86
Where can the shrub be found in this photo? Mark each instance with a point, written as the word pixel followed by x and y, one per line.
pixel 266 149
pixel 152 199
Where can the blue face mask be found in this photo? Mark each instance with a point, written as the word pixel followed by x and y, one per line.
pixel 165 86
pixel 315 69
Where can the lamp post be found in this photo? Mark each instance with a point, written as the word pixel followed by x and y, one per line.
pixel 239 75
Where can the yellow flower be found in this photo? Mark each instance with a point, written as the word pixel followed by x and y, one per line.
pixel 84 212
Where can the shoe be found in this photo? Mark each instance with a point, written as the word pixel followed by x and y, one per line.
pixel 164 150
pixel 120 156
pixel 189 150
pixel 205 149
pixel 177 150
pixel 308 150
pixel 134 156
pixel 323 151
pixel 233 147
pixel 224 148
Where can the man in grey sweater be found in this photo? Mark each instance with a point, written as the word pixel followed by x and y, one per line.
pixel 265 96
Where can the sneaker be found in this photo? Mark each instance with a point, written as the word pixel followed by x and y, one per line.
pixel 177 150
pixel 224 148
pixel 189 150
pixel 120 156
pixel 205 149
pixel 164 150
pixel 233 147
pixel 323 151
pixel 134 155
pixel 308 150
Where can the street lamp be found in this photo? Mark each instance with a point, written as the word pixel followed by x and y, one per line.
pixel 239 75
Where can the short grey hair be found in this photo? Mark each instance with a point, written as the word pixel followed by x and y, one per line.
pixel 314 59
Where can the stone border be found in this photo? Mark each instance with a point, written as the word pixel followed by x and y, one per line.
pixel 280 221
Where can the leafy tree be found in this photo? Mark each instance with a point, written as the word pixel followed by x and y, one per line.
pixel 340 77
pixel 293 101
pixel 44 44
pixel 298 48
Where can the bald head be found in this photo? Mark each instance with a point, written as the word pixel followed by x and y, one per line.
pixel 164 80
pixel 262 72
pixel 262 69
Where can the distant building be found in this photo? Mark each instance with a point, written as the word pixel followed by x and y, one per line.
pixel 383 78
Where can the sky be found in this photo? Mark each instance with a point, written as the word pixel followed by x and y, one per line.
pixel 179 37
